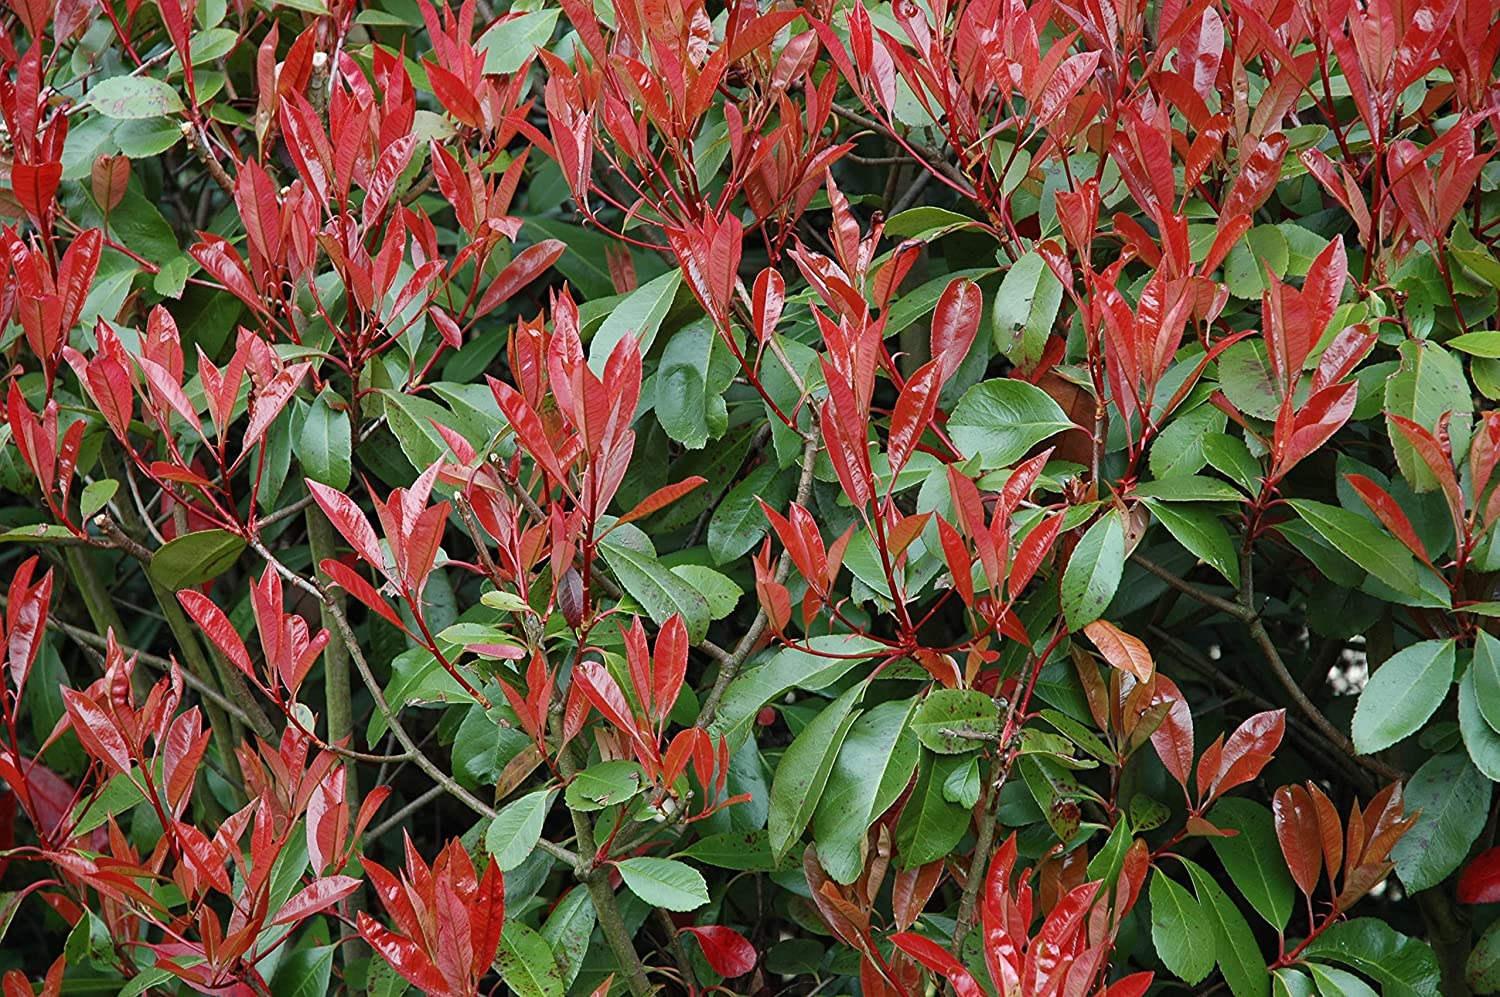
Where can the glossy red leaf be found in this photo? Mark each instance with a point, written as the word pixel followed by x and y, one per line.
pixel 727 951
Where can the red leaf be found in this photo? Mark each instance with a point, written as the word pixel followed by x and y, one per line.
pixel 1297 831
pixel 914 411
pixel 346 516
pixel 727 951
pixel 1391 515
pixel 316 896
pixel 1121 650
pixel 404 955
pixel 938 959
pixel 1249 749
pixel 350 581
pixel 522 270
pixel 661 498
pixel 218 628
pixel 955 321
pixel 1480 881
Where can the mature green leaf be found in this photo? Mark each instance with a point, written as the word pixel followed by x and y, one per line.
pixel 953 721
pixel 1480 739
pixel 513 834
pixel 126 97
pixel 873 767
pixel 826 659
pixel 1235 950
pixel 1402 693
pixel 1482 971
pixel 803 771
pixel 1025 308
pixel 1182 934
pixel 742 850
pixel 1363 542
pixel 1404 967
pixel 659 592
pixel 1338 982
pixel 664 882
pixel 1429 385
pixel 1203 533
pixel 738 522
pixel 639 314
pixel 325 444
pixel 304 972
pixel 999 421
pixel 1486 669
pixel 1454 799
pixel 931 825
pixel 512 42
pixel 1253 858
pixel 604 784
pixel 567 932
pixel 195 558
pixel 527 964
pixel 1093 572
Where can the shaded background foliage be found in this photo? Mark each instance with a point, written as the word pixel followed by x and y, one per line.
pixel 838 498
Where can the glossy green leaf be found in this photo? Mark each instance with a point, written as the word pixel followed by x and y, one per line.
pixel 1402 693
pixel 664 883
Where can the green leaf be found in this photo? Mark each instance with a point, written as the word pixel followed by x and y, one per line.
pixel 947 715
pixel 526 963
pixel 739 850
pixel 804 768
pixel 1025 309
pixel 126 97
pixel 89 943
pixel 118 796
pixel 639 314
pixel 1203 533
pixel 1238 956
pixel 1405 967
pixel 931 825
pixel 1188 488
pixel 513 834
pixel 1486 669
pixel 384 981
pixel 1429 385
pixel 1093 572
pixel 1454 799
pixel 963 784
pixel 1231 457
pixel 604 784
pixel 154 976
pixel 1182 934
pixel 1402 693
pixel 1247 380
pixel 1245 266
pixel 873 767
pixel 1253 858
pixel 738 522
pixel 304 972
pixel 567 932
pixel 195 558
pixel 717 588
pixel 660 593
pixel 1292 983
pixel 827 658
pixel 1000 420
pixel 1477 344
pixel 1363 542
pixel 926 223
pixel 514 40
pixel 689 391
pixel 325 445
pixel 1338 983
pixel 1480 739
pixel 95 496
pixel 664 882
pixel 1483 968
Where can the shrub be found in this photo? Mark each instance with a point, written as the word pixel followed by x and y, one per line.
pixel 840 498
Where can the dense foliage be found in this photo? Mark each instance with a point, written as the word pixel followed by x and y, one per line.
pixel 853 498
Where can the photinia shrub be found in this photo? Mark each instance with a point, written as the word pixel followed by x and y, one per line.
pixel 989 496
